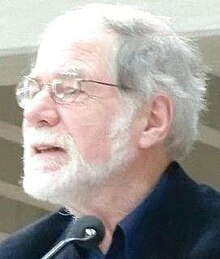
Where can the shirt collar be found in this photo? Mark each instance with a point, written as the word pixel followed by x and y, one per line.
pixel 132 232
pixel 135 225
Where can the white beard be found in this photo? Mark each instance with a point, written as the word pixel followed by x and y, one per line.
pixel 77 180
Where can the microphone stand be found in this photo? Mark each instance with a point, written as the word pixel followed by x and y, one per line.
pixel 89 234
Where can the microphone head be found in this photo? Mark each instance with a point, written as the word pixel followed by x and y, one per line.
pixel 82 227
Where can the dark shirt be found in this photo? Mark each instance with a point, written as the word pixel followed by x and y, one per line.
pixel 131 233
pixel 180 219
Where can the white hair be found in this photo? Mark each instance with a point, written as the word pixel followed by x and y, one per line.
pixel 150 57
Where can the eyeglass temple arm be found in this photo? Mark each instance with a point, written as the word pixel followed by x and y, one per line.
pixel 99 82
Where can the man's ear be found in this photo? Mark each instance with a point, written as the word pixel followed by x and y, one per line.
pixel 158 118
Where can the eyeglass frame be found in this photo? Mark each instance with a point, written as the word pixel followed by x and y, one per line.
pixel 52 86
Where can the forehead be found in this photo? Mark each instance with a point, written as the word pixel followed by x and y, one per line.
pixel 93 51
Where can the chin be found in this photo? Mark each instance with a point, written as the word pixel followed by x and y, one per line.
pixel 55 182
pixel 70 183
pixel 74 183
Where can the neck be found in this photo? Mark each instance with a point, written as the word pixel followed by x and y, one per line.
pixel 116 198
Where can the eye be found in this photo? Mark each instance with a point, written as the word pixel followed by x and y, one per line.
pixel 31 87
pixel 26 90
pixel 66 90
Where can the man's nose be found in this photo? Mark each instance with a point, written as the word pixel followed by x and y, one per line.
pixel 41 111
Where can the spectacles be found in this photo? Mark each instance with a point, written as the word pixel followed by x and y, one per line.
pixel 64 90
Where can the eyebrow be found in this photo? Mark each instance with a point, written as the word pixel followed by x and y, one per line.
pixel 65 70
pixel 71 71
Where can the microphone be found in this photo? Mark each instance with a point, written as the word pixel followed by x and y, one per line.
pixel 88 232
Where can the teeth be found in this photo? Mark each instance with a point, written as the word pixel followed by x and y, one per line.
pixel 44 148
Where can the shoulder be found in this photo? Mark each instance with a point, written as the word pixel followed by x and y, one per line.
pixel 198 196
pixel 201 201
pixel 197 209
pixel 34 240
pixel 207 211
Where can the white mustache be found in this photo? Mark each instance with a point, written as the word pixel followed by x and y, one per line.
pixel 44 136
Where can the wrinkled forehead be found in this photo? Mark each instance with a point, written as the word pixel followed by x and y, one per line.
pixel 85 45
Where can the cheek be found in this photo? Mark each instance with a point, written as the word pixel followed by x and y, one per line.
pixel 90 132
pixel 92 141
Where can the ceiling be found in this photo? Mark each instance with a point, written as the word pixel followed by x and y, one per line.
pixel 22 23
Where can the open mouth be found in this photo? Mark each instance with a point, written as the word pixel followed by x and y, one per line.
pixel 49 157
pixel 47 149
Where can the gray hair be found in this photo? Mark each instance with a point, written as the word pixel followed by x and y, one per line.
pixel 150 57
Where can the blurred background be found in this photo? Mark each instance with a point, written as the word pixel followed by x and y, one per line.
pixel 21 25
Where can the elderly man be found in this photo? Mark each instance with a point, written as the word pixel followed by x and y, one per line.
pixel 113 100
